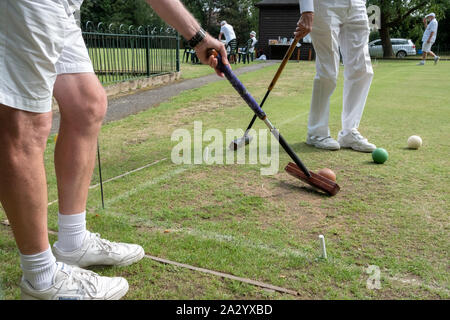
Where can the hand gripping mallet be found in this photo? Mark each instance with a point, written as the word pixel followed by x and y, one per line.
pixel 298 169
pixel 237 143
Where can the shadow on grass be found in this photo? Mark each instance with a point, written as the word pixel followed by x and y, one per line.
pixel 373 163
pixel 302 147
pixel 303 188
pixel 408 149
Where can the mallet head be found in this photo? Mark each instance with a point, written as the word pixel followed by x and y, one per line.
pixel 238 143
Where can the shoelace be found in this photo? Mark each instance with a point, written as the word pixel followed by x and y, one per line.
pixel 321 138
pixel 326 138
pixel 84 280
pixel 103 244
pixel 358 135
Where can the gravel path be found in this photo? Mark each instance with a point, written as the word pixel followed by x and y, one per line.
pixel 123 106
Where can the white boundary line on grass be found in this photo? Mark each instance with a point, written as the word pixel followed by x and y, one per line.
pixel 127 173
pixel 293 119
pixel 231 239
pixel 208 235
pixel 227 238
pixel 118 177
pixel 415 283
pixel 145 185
pixel 207 271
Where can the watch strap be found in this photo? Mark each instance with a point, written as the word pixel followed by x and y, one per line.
pixel 197 38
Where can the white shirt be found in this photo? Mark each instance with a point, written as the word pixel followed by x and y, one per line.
pixel 306 5
pixel 252 48
pixel 432 27
pixel 228 32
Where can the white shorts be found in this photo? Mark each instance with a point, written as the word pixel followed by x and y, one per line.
pixel 426 47
pixel 39 39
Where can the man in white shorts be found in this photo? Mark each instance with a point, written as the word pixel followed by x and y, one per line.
pixel 227 31
pixel 429 37
pixel 338 25
pixel 42 53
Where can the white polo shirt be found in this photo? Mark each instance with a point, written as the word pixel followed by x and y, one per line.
pixel 432 27
pixel 228 32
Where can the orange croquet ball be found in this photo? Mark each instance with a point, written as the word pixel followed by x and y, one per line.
pixel 327 173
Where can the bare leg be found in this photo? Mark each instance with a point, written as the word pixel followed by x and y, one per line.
pixel 23 186
pixel 82 102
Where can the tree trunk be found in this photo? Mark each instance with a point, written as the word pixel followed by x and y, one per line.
pixel 385 38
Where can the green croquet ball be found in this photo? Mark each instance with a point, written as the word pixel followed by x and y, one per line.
pixel 380 155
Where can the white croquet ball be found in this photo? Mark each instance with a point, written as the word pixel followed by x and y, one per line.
pixel 414 142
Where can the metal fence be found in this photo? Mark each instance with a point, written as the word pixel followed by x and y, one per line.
pixel 120 52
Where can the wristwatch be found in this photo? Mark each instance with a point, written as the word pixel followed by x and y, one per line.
pixel 197 38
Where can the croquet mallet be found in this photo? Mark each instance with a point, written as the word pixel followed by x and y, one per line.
pixel 296 169
pixel 246 138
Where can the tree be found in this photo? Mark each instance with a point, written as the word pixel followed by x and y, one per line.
pixel 205 11
pixel 395 13
pixel 241 14
pixel 128 12
pixel 444 29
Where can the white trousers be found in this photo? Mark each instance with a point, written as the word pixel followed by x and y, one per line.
pixel 340 25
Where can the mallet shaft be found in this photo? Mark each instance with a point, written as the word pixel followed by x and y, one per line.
pixel 274 80
pixel 240 88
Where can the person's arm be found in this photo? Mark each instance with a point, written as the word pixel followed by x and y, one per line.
pixel 174 13
pixel 220 36
pixel 304 25
pixel 430 37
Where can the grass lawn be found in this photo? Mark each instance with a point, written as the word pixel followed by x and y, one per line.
pixel 231 219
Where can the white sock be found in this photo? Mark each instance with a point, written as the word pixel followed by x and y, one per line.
pixel 71 231
pixel 38 269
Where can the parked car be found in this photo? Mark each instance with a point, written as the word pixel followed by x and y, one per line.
pixel 401 48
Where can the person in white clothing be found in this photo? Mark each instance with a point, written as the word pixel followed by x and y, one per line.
pixel 42 54
pixel 230 38
pixel 338 25
pixel 429 37
pixel 251 43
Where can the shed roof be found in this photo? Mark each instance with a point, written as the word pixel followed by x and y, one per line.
pixel 275 3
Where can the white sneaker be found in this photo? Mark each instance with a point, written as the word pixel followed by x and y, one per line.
pixel 73 283
pixel 98 251
pixel 327 143
pixel 355 141
pixel 436 59
pixel 421 63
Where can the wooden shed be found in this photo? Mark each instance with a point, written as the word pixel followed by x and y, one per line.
pixel 277 22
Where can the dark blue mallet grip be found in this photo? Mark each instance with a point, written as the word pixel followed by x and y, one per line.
pixel 237 84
